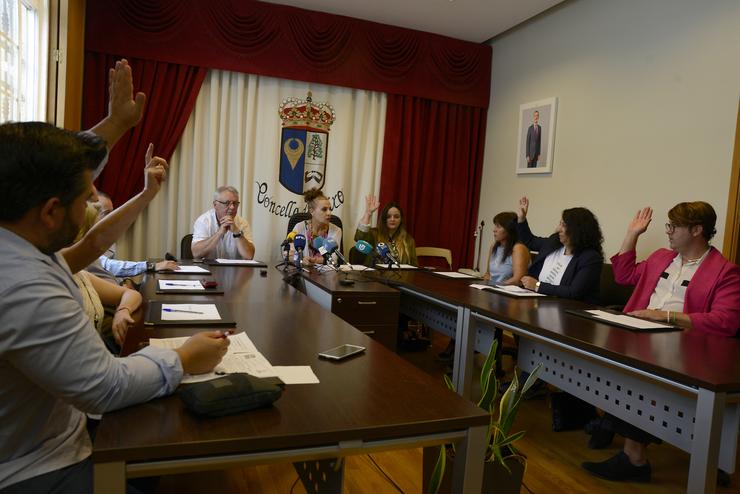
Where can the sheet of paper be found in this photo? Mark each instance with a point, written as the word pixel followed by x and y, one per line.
pixel 238 261
pixel 355 267
pixel 509 289
pixel 454 274
pixel 296 374
pixel 190 312
pixel 191 269
pixel 242 356
pixel 395 266
pixel 632 322
pixel 195 285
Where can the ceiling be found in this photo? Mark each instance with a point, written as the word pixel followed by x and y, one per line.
pixel 471 20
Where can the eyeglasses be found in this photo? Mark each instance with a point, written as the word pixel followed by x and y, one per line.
pixel 228 203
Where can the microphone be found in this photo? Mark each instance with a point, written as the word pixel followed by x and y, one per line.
pixel 288 240
pixel 318 244
pixel 385 253
pixel 299 242
pixel 364 247
pixel 331 247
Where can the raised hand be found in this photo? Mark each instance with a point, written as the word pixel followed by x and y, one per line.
pixel 155 171
pixel 371 204
pixel 640 222
pixel 124 108
pixel 521 212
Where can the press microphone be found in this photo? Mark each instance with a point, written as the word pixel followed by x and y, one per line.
pixel 364 248
pixel 288 240
pixel 318 244
pixel 385 253
pixel 331 247
pixel 299 242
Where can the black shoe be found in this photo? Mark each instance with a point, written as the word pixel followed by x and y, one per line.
pixel 723 478
pixel 448 354
pixel 618 467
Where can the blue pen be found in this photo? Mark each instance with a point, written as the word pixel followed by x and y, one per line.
pixel 181 310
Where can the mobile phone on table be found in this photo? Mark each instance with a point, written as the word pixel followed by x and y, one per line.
pixel 342 351
pixel 208 283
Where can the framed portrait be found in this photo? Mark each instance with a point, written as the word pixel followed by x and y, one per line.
pixel 536 134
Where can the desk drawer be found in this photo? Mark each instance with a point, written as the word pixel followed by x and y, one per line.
pixel 385 334
pixel 366 309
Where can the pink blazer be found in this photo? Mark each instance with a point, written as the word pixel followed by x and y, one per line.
pixel 712 297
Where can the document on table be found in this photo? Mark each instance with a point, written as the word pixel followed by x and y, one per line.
pixel 355 267
pixel 248 262
pixel 194 285
pixel 395 266
pixel 190 312
pixel 454 274
pixel 515 291
pixel 242 356
pixel 625 320
pixel 191 270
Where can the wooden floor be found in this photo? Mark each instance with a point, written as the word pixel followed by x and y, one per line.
pixel 553 466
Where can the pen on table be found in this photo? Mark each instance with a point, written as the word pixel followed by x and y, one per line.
pixel 224 334
pixel 181 310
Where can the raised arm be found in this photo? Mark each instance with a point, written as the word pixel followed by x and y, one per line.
pixel 124 108
pixel 109 229
pixel 522 227
pixel 637 227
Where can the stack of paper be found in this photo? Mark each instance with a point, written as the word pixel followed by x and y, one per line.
pixel 248 262
pixel 190 312
pixel 395 266
pixel 191 269
pixel 453 274
pixel 243 356
pixel 355 267
pixel 625 320
pixel 194 285
pixel 516 291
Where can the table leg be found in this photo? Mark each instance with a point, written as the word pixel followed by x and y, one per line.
pixel 462 367
pixel 109 478
pixel 705 444
pixel 324 476
pixel 467 477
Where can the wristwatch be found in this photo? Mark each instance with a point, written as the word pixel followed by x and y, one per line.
pixel 537 287
pixel 150 267
pixel 237 234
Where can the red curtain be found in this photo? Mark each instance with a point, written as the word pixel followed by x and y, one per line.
pixel 432 165
pixel 171 91
pixel 291 43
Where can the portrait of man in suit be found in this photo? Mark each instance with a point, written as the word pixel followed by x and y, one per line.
pixel 536 136
pixel 534 141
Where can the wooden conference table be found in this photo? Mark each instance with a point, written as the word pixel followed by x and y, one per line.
pixel 371 402
pixel 682 386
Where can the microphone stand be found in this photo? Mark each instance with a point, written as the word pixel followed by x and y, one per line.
pixel 479 234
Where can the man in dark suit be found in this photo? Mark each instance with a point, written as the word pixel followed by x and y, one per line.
pixel 534 140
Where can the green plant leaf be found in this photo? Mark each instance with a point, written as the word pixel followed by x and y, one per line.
pixel 512 438
pixel 448 382
pixel 439 470
pixel 533 376
pixel 488 365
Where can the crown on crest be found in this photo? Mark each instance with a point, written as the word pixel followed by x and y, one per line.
pixel 296 112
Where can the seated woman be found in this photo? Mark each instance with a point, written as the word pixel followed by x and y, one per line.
pixel 317 226
pixel 508 259
pixel 391 231
pixel 569 261
pixel 98 293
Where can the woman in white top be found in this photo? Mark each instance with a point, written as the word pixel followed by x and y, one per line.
pixel 317 226
pixel 508 259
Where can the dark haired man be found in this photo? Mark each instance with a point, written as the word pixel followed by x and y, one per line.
pixel 690 285
pixel 53 364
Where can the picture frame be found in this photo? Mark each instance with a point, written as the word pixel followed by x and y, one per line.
pixel 536 138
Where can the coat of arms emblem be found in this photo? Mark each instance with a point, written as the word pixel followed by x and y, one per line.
pixel 304 143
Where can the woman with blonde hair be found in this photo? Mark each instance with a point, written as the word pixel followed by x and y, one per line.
pixel 318 225
pixel 391 230
pixel 97 293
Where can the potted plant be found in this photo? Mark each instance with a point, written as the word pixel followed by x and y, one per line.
pixel 504 464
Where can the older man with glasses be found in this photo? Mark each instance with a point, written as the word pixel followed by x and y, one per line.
pixel 219 233
pixel 690 285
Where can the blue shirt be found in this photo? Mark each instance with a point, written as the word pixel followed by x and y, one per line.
pixel 54 366
pixel 500 269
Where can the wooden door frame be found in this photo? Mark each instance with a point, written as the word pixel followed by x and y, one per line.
pixel 731 247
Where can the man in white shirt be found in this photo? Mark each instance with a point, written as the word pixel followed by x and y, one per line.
pixel 219 233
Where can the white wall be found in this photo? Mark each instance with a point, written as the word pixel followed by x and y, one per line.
pixel 647 104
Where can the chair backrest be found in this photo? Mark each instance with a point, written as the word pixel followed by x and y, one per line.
pixel 303 216
pixel 186 252
pixel 435 252
pixel 611 294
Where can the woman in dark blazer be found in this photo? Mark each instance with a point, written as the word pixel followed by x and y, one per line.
pixel 569 261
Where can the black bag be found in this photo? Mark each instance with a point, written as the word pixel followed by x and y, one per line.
pixel 569 412
pixel 231 394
